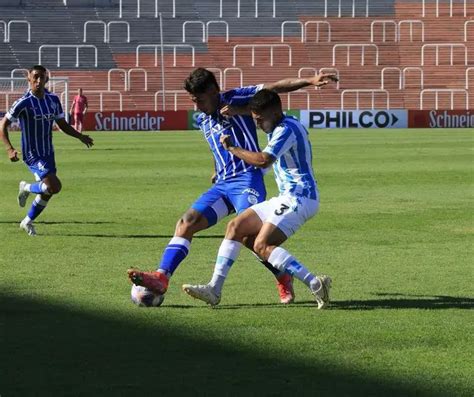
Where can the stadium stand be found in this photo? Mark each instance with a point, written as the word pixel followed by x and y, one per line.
pixel 388 52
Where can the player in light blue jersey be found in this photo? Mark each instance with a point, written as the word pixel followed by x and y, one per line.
pixel 270 223
pixel 238 184
pixel 37 110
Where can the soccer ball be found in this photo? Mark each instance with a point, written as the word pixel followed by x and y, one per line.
pixel 143 297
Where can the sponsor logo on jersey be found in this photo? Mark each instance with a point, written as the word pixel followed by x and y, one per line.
pixel 251 191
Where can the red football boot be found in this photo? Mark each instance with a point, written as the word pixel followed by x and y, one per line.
pixel 154 281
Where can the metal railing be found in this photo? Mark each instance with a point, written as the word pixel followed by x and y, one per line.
pixel 465 28
pixel 372 92
pixel 241 76
pixel 139 6
pixel 58 48
pixel 437 91
pixel 471 69
pixel 304 29
pixel 101 23
pixel 254 46
pixel 410 68
pixel 209 23
pixel 5 35
pixel 221 9
pixel 298 92
pixel 384 23
pixel 423 13
pixel 451 46
pixel 175 94
pixel 411 22
pixel 106 27
pixel 135 70
pixel 109 77
pixel 298 23
pixel 201 23
pixel 101 94
pixel 17 21
pixel 349 46
pixel 390 68
pixel 173 46
pixel 339 14
pixel 317 23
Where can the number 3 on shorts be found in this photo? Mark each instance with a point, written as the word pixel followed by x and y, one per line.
pixel 282 209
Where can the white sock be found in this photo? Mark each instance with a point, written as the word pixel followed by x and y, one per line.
pixel 284 261
pixel 42 186
pixel 228 253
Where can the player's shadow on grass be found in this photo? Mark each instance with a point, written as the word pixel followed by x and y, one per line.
pixel 61 223
pixel 167 236
pixel 398 301
pixel 52 349
pixel 401 301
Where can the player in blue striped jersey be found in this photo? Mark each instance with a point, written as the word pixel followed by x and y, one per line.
pixel 270 223
pixel 238 184
pixel 37 110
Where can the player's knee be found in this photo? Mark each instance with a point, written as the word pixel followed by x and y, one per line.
pixel 188 222
pixel 235 230
pixel 55 187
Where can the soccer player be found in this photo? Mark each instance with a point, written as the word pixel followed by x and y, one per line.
pixel 270 223
pixel 238 184
pixel 37 110
pixel 78 109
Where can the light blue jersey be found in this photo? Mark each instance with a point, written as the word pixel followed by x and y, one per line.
pixel 36 117
pixel 241 128
pixel 289 144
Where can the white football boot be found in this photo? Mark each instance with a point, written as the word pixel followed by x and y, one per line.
pixel 28 227
pixel 322 294
pixel 22 194
pixel 203 292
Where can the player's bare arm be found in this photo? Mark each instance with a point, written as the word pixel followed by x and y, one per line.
pixel 11 151
pixel 293 84
pixel 69 130
pixel 257 159
pixel 234 110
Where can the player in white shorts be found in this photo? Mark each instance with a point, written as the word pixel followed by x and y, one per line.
pixel 272 222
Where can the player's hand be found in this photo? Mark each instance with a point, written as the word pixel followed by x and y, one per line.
pixel 87 140
pixel 228 111
pixel 12 155
pixel 213 178
pixel 226 141
pixel 324 78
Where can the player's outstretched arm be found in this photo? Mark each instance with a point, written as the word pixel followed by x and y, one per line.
pixel 12 153
pixel 257 159
pixel 293 84
pixel 235 110
pixel 69 130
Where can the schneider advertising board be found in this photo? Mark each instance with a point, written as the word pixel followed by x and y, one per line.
pixel 354 118
pixel 136 121
pixel 441 119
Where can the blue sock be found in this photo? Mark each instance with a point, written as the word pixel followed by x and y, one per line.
pixel 37 207
pixel 174 254
pixel 38 188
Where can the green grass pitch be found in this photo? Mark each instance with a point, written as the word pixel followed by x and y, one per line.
pixel 394 231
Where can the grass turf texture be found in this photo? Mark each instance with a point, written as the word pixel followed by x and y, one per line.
pixel 394 231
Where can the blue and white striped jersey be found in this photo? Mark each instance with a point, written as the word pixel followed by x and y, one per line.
pixel 290 145
pixel 36 117
pixel 241 128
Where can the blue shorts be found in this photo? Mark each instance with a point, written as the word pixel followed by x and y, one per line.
pixel 236 194
pixel 41 166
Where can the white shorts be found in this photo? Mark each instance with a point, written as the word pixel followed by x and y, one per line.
pixel 288 213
